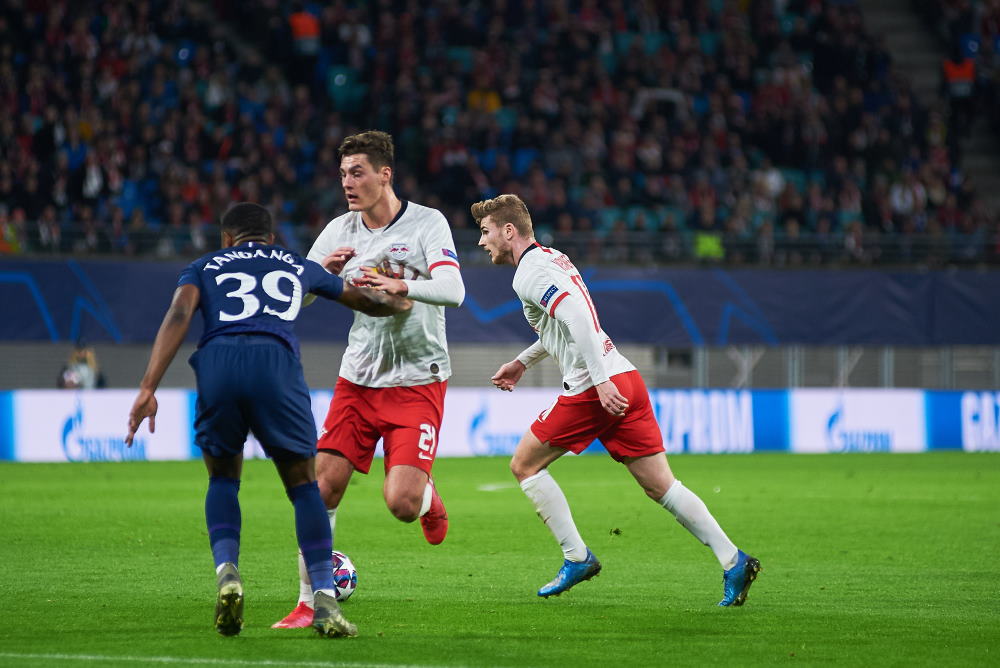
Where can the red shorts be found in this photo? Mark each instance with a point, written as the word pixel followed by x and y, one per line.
pixel 407 419
pixel 574 422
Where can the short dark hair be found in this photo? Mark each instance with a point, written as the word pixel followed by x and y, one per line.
pixel 247 219
pixel 377 145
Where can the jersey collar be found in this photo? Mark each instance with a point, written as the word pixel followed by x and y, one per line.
pixel 399 214
pixel 529 248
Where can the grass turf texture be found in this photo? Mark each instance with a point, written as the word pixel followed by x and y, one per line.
pixel 868 560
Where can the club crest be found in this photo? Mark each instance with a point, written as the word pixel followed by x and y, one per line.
pixel 399 251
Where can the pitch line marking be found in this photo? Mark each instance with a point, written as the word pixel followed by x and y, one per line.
pixel 200 661
pixel 495 487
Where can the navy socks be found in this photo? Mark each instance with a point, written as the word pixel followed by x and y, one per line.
pixel 312 526
pixel 222 514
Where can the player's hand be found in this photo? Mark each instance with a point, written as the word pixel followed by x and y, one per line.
pixel 335 261
pixel 507 376
pixel 611 399
pixel 372 279
pixel 145 406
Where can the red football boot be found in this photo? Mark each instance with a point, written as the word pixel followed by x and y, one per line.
pixel 435 521
pixel 299 618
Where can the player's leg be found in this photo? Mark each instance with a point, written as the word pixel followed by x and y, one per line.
pixel 410 422
pixel 315 543
pixel 530 467
pixel 224 520
pixel 404 490
pixel 333 473
pixel 636 441
pixel 654 476
pixel 346 443
pixel 739 569
pixel 220 432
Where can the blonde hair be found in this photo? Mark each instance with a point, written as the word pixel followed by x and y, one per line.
pixel 506 208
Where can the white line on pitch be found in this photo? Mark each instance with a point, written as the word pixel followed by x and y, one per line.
pixel 495 487
pixel 193 660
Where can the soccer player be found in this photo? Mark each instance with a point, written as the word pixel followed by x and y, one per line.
pixel 604 398
pixel 394 372
pixel 250 378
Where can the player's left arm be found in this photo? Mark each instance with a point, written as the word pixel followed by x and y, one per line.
pixel 576 312
pixel 445 286
pixel 173 329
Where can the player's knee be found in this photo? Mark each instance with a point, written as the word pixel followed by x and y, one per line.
pixel 403 508
pixel 331 495
pixel 522 469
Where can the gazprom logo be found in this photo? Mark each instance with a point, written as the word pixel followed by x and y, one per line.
pixel 841 439
pixel 80 446
pixel 705 421
pixel 980 421
pixel 483 440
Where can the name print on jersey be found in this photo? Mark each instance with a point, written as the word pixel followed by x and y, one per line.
pixel 274 254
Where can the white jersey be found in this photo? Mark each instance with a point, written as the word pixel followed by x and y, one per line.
pixel 409 348
pixel 558 306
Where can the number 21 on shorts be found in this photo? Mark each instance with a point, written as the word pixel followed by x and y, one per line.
pixel 427 442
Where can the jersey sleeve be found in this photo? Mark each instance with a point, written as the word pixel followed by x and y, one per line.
pixel 445 286
pixel 439 246
pixel 190 276
pixel 320 282
pixel 565 299
pixel 324 244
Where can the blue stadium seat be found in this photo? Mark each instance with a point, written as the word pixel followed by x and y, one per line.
pixel 709 42
pixel 796 177
pixel 653 41
pixel 461 55
pixel 623 41
pixel 523 159
pixel 506 118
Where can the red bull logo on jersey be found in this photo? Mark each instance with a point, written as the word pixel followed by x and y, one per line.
pixel 399 251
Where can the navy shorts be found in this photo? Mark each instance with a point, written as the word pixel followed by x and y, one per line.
pixel 252 382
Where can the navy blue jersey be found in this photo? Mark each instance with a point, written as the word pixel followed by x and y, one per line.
pixel 256 288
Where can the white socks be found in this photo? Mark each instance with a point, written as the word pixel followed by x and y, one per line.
pixel 693 515
pixel 305 584
pixel 551 505
pixel 425 505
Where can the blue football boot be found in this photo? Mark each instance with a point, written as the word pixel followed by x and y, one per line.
pixel 737 580
pixel 572 573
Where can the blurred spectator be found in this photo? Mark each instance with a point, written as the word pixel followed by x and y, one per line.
pixel 81 371
pixel 731 130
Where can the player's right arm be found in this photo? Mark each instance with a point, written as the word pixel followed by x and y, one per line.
pixel 507 377
pixel 370 302
pixel 173 329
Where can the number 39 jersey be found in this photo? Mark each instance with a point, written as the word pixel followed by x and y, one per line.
pixel 256 288
pixel 409 348
pixel 558 306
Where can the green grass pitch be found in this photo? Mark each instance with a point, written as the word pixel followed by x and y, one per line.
pixel 868 560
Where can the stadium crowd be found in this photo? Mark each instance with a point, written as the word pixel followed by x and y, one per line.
pixel 772 132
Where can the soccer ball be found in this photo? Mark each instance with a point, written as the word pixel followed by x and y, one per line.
pixel 345 576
